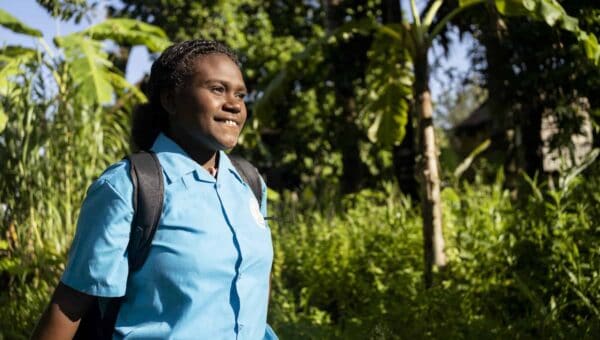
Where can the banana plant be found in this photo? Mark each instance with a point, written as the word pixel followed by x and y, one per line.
pixel 404 84
pixel 417 38
pixel 60 125
pixel 96 79
pixel 12 57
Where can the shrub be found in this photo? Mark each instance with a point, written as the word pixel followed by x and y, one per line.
pixel 518 269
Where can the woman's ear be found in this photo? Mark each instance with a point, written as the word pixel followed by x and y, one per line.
pixel 167 100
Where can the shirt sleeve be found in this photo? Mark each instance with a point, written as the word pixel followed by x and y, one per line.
pixel 97 262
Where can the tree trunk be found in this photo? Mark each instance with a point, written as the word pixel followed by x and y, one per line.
pixel 503 116
pixel 430 179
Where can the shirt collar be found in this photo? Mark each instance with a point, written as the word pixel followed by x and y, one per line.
pixel 176 162
pixel 225 165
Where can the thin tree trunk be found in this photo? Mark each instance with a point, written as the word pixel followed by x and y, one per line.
pixel 498 69
pixel 430 179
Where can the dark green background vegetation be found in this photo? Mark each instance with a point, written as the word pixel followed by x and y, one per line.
pixel 335 131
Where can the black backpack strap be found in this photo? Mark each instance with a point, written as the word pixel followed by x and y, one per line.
pixel 148 196
pixel 249 173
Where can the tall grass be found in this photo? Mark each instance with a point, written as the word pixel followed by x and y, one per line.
pixel 53 146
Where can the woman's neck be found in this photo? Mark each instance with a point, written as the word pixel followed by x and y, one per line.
pixel 208 159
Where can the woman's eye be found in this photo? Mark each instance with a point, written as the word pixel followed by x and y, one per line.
pixel 241 95
pixel 218 89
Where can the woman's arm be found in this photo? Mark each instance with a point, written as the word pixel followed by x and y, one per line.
pixel 62 317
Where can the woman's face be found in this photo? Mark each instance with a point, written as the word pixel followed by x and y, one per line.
pixel 208 111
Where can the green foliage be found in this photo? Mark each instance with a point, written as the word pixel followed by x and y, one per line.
pixel 389 81
pixel 518 269
pixel 95 74
pixel 68 9
pixel 9 21
pixel 129 32
pixel 551 12
pixel 345 267
pixel 58 133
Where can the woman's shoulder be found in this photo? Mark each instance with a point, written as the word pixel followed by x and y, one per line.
pixel 115 178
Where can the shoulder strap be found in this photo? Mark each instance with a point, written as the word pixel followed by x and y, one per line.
pixel 148 195
pixel 249 173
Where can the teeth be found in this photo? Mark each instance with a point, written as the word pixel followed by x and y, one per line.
pixel 230 122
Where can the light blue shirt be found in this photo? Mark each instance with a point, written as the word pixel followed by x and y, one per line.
pixel 207 273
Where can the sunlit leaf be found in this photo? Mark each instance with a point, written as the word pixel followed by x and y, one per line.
pixel 466 3
pixel 13 24
pixel 118 81
pixel 511 7
pixel 3 119
pixel 12 59
pixel 90 68
pixel 591 46
pixel 553 14
pixel 391 115
pixel 129 32
pixel 529 4
pixel 464 165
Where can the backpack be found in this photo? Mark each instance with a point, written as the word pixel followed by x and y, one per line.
pixel 148 195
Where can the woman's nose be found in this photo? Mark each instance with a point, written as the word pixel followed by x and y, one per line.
pixel 233 104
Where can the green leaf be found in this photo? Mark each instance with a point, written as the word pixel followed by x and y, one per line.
pixel 529 4
pixel 12 59
pixel 129 32
pixel 391 111
pixel 467 3
pixel 590 45
pixel 511 7
pixel 118 81
pixel 431 12
pixel 3 119
pixel 464 165
pixel 13 24
pixel 90 68
pixel 570 24
pixel 551 12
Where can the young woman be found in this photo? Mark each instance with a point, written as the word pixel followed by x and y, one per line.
pixel 207 272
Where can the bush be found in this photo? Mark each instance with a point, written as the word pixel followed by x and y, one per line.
pixel 524 269
pixel 352 268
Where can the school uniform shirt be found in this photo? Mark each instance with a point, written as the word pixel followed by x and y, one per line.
pixel 207 272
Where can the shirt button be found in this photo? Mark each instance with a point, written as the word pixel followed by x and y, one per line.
pixel 240 327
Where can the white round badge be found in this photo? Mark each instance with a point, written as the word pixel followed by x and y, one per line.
pixel 255 211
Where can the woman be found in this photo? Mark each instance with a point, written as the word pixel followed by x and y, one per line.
pixel 207 272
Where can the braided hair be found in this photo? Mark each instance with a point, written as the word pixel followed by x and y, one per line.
pixel 169 72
